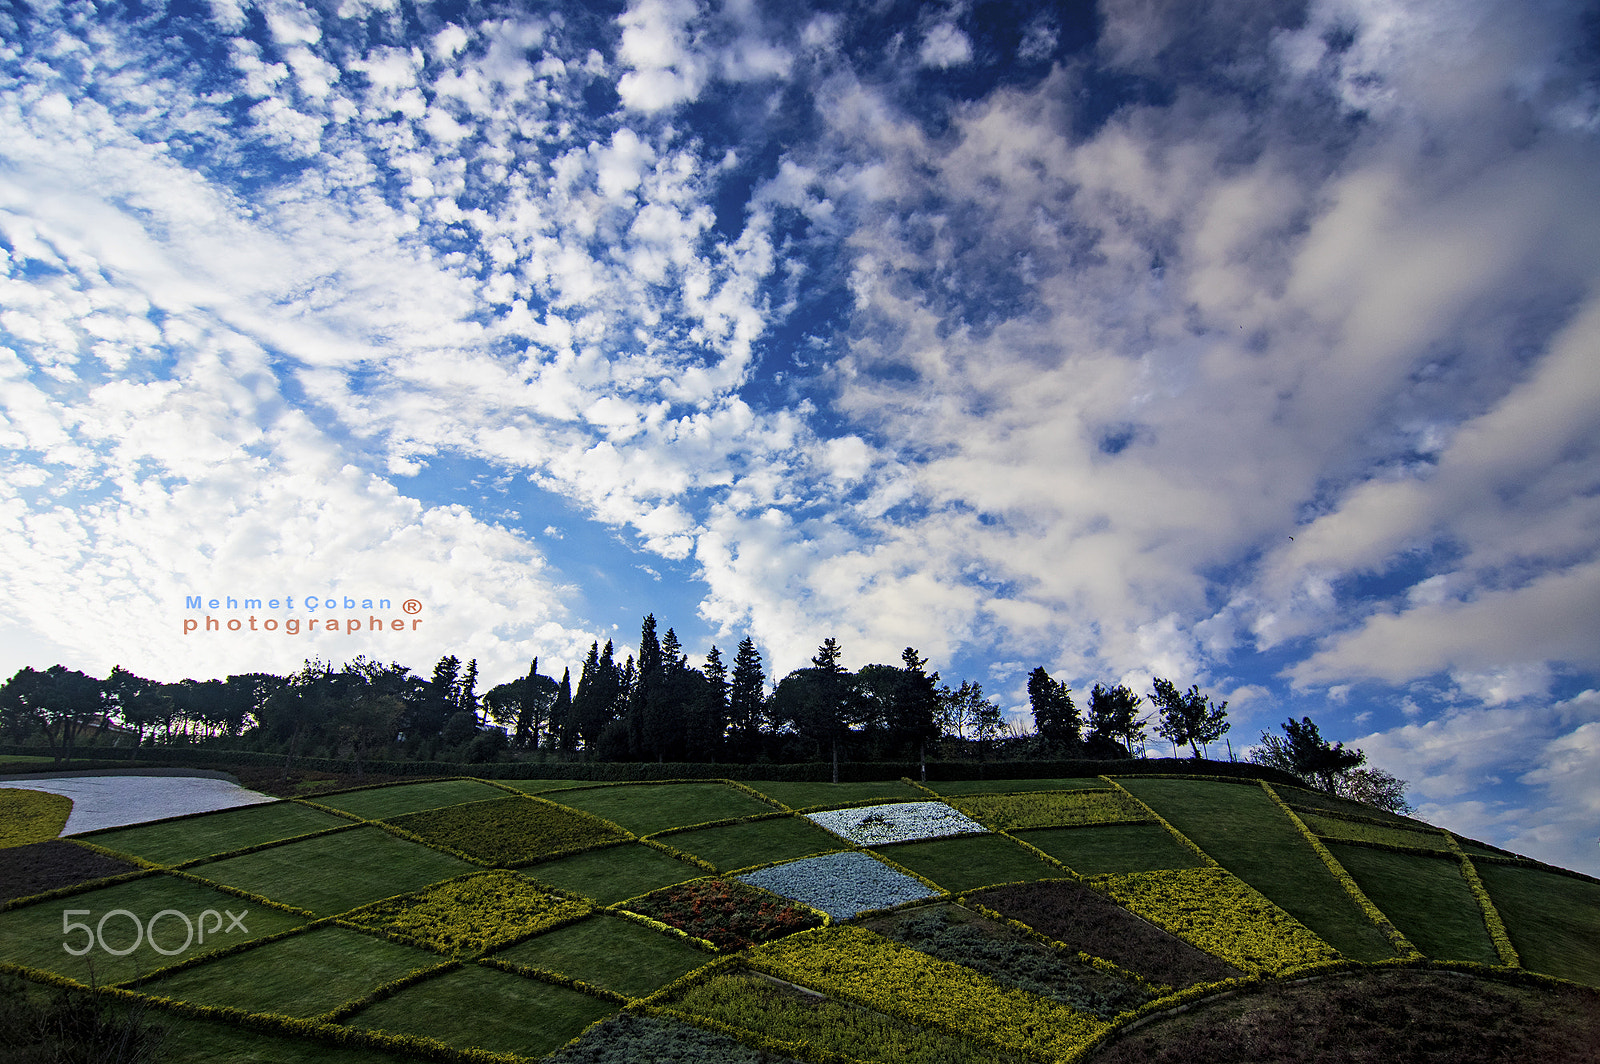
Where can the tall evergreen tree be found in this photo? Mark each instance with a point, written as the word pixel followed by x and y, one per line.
pixel 647 680
pixel 564 733
pixel 1055 715
pixel 746 695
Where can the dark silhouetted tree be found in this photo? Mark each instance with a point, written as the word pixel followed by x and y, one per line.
pixel 1055 715
pixel 1114 718
pixel 1188 717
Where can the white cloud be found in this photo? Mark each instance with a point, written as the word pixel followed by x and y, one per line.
pixel 945 46
pixel 664 69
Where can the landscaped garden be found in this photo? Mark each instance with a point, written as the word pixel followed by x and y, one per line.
pixel 991 922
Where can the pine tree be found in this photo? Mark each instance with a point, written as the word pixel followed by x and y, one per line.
pixel 564 734
pixel 1055 715
pixel 746 693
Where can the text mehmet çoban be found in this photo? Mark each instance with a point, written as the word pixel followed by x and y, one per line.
pixel 309 604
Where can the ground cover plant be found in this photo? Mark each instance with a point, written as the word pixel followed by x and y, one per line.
pixel 805 795
pixel 1425 897
pixel 508 830
pixel 746 1001
pixel 187 838
pixel 988 947
pixel 1382 1017
pixel 725 912
pixel 471 914
pixel 1333 827
pixel 1553 920
pixel 840 884
pixel 646 808
pixel 971 861
pixel 31 816
pixel 879 825
pixel 1087 920
pixel 54 865
pixel 1221 914
pixel 1099 848
pixel 483 1008
pixel 113 948
pixel 609 951
pixel 1238 825
pixel 614 873
pixel 758 842
pixel 332 873
pixel 1052 809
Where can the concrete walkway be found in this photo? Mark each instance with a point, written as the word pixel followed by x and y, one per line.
pixel 117 798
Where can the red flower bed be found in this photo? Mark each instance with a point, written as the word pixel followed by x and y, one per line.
pixel 729 915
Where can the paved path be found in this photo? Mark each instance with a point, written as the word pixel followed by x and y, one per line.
pixel 112 801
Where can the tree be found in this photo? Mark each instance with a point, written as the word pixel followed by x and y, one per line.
pixel 746 695
pixel 965 713
pixel 820 702
pixel 1189 717
pixel 563 733
pixel 1114 717
pixel 1375 787
pixel 140 703
pixel 62 702
pixel 1303 752
pixel 371 707
pixel 1055 715
pixel 301 706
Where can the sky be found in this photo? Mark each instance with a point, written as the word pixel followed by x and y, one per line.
pixel 1253 345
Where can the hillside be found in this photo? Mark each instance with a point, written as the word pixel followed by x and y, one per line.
pixel 1044 920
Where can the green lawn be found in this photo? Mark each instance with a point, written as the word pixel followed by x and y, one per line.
pixel 176 841
pixel 34 934
pixel 764 841
pixel 191 1041
pixel 612 952
pixel 1425 897
pixel 1239 826
pixel 614 873
pixel 970 861
pixel 1014 786
pixel 645 808
pixel 801 795
pixel 1106 848
pixel 1333 827
pixel 304 975
pixel 487 1009
pixel 541 786
pixel 1553 920
pixel 333 873
pixel 379 803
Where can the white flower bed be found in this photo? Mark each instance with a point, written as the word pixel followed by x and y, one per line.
pixel 840 884
pixel 879 825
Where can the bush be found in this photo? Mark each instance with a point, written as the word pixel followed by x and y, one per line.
pixel 726 913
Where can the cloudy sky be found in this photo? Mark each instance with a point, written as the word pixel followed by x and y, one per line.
pixel 1255 345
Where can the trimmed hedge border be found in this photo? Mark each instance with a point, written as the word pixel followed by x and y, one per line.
pixel 1188 843
pixel 1491 915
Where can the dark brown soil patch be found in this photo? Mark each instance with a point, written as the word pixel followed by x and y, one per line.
pixel 1417 1017
pixel 1083 919
pixel 51 865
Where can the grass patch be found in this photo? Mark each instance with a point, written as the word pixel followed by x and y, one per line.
pixel 176 841
pixel 646 808
pixel 543 786
pixel 1359 831
pixel 34 936
pixel 1052 809
pixel 471 914
pixel 1553 920
pixel 507 831
pixel 381 803
pixel 1101 848
pixel 1239 826
pixel 802 795
pixel 614 873
pixel 1087 920
pixel 612 952
pixel 742 845
pixel 970 861
pixel 1425 897
pixel 1070 783
pixel 331 874
pixel 476 1007
pixel 304 975
pixel 746 1000
pixel 192 1041
pixel 31 816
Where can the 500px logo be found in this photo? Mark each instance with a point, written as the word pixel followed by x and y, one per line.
pixel 145 931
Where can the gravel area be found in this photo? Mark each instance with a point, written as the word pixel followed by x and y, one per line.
pixel 840 884
pixel 880 825
pixel 117 801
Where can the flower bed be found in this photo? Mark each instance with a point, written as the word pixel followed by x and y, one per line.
pixel 727 913
pixel 508 831
pixel 1221 914
pixel 840 884
pixel 880 825
pixel 1046 809
pixel 471 914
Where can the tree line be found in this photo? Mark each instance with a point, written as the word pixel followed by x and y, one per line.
pixel 655 706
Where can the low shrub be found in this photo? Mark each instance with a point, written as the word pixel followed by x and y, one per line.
pixel 31 816
pixel 1053 809
pixel 509 831
pixel 880 825
pixel 728 914
pixel 841 884
pixel 471 914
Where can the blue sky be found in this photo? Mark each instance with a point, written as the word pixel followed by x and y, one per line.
pixel 1253 345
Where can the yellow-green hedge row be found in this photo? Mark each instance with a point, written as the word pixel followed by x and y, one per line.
pixel 470 914
pixel 554 978
pixel 776 814
pixel 1397 940
pixel 1053 809
pixel 1221 914
pixel 855 965
pixel 1491 915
